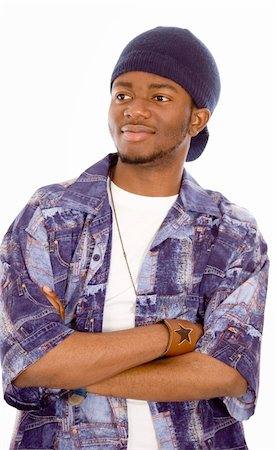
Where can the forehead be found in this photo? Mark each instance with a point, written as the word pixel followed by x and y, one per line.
pixel 136 79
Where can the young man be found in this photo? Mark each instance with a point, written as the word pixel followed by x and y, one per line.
pixel 135 284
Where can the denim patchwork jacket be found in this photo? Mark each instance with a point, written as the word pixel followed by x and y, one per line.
pixel 207 264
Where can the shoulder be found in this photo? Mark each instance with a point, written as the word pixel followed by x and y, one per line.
pixel 235 220
pixel 215 204
pixel 237 228
pixel 231 211
pixel 43 198
pixel 233 226
pixel 48 196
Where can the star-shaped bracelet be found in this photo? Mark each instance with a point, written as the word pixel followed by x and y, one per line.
pixel 183 336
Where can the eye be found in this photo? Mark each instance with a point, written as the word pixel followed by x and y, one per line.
pixel 162 98
pixel 122 97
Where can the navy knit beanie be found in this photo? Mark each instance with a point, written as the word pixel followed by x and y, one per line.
pixel 178 55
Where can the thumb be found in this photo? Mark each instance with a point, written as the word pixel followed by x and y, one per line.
pixel 53 299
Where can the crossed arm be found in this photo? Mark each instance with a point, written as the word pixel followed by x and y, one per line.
pixel 126 364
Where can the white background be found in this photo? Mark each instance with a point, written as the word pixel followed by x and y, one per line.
pixel 56 61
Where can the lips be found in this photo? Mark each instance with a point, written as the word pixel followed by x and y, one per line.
pixel 136 133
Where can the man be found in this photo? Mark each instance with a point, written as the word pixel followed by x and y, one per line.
pixel 132 299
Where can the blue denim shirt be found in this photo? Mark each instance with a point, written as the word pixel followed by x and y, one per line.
pixel 206 264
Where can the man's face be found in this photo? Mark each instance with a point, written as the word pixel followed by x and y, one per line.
pixel 149 117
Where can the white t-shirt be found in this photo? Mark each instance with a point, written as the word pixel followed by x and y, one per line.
pixel 139 219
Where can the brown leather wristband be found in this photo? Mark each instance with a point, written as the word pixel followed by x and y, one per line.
pixel 183 336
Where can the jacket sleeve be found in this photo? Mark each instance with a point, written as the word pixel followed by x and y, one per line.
pixel 235 309
pixel 29 325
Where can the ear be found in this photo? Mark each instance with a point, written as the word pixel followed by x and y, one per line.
pixel 199 119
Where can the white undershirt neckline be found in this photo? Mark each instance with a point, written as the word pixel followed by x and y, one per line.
pixel 139 219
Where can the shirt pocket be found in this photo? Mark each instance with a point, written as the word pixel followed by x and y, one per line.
pixel 93 436
pixel 84 320
pixel 92 425
pixel 36 431
pixel 27 308
pixel 62 247
pixel 237 342
pixel 220 429
pixel 181 306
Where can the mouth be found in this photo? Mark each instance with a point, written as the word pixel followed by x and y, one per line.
pixel 136 133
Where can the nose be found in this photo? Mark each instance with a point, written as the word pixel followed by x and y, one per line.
pixel 137 109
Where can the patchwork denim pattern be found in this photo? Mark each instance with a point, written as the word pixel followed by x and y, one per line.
pixel 207 264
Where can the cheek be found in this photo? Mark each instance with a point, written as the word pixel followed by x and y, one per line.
pixel 114 118
pixel 173 131
pixel 111 121
pixel 178 125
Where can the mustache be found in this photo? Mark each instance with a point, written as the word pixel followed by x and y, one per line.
pixel 137 128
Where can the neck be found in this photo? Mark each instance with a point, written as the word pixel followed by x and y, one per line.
pixel 143 180
pixel 151 180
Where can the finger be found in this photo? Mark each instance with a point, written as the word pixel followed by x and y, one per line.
pixel 61 311
pixel 54 300
pixel 54 303
pixel 49 292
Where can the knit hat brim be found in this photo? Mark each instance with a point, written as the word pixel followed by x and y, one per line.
pixel 198 144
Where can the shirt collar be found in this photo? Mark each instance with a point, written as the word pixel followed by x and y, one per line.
pixel 195 198
pixel 91 189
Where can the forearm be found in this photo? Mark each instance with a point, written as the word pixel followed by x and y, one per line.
pixel 87 358
pixel 193 376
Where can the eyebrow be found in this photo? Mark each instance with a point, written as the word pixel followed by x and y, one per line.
pixel 123 84
pixel 162 86
pixel 127 84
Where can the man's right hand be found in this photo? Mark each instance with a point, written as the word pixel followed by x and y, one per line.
pixel 54 300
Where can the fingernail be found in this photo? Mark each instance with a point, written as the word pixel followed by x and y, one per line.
pixel 47 289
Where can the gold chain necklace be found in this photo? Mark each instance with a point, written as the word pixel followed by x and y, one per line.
pixel 120 236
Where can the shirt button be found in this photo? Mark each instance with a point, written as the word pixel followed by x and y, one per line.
pixel 74 431
pixel 96 257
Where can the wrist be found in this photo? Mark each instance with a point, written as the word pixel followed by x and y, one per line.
pixel 182 336
pixel 164 336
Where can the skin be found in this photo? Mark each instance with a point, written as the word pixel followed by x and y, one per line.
pixel 151 120
pixel 151 160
